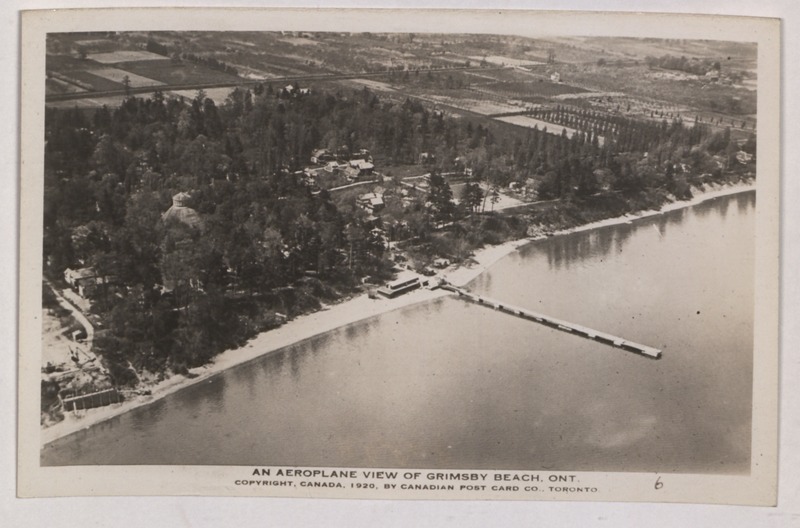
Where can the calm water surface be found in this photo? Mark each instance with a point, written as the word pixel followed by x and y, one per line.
pixel 453 385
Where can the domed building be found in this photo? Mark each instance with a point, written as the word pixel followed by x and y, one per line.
pixel 180 212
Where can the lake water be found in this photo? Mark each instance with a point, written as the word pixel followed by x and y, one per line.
pixel 449 384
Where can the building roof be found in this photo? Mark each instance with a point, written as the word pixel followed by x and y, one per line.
pixel 78 274
pixel 179 212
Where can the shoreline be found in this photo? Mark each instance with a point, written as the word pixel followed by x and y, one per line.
pixel 348 312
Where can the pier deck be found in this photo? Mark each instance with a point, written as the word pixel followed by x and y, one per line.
pixel 558 324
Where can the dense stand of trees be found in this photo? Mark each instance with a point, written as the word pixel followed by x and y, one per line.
pixel 267 247
pixel 694 65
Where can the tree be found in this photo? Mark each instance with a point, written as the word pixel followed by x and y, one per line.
pixel 471 196
pixel 440 196
pixel 494 197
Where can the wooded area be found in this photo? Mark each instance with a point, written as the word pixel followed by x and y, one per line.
pixel 266 247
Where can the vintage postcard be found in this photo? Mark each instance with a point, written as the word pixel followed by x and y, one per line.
pixel 399 254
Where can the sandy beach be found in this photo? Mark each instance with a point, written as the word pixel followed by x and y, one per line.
pixel 347 312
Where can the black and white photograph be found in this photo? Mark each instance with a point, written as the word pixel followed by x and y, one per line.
pixel 352 260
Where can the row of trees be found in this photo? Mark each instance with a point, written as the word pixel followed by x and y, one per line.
pixel 694 66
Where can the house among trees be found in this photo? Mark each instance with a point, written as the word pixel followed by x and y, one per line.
pixel 359 168
pixel 364 167
pixel 181 253
pixel 460 166
pixel 361 154
pixel 743 157
pixel 371 202
pixel 321 156
pixel 309 177
pixel 334 166
pixel 180 212
pixel 294 91
pixel 84 281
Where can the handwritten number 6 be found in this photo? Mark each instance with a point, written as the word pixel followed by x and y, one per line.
pixel 659 484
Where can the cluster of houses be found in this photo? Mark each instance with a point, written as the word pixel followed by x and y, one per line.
pixel 353 166
pixel 371 202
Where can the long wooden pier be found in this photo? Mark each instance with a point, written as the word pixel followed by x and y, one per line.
pixel 558 324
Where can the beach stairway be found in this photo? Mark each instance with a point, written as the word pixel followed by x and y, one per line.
pixel 552 322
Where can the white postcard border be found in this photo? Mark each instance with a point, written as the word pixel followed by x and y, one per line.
pixel 757 488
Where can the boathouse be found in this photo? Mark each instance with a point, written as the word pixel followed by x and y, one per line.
pixel 404 283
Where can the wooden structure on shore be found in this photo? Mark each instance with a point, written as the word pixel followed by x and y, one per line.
pixel 558 324
pixel 80 402
pixel 404 283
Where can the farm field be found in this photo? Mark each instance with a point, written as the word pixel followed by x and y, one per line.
pixel 506 61
pixel 377 86
pixel 96 82
pixel 118 76
pixel 57 86
pixel 635 81
pixel 116 57
pixel 531 122
pixel 89 103
pixel 167 72
pixel 472 104
pixel 623 85
pixel 253 74
pixel 536 88
pixel 66 63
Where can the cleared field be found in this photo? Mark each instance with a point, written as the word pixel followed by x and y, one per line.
pixel 484 77
pixel 98 102
pixel 503 200
pixel 239 43
pixel 116 75
pixel 374 85
pixel 588 95
pixel 478 106
pixel 534 88
pixel 506 61
pixel 167 72
pixel 511 75
pixel 299 41
pixel 64 63
pixel 245 72
pixel 530 122
pixel 57 86
pixel 291 64
pixel 114 57
pixel 99 84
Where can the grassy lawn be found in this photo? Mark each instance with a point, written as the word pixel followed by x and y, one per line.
pixel 404 171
